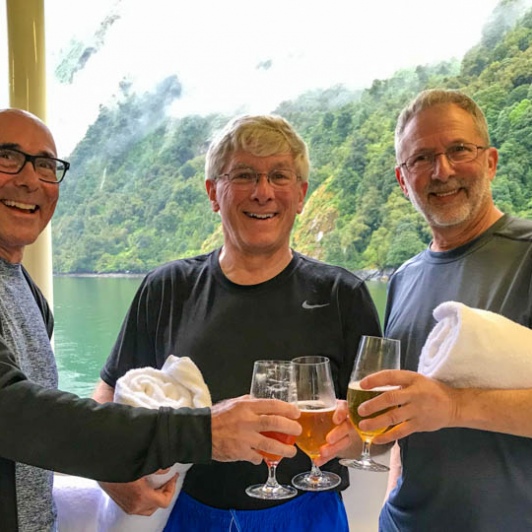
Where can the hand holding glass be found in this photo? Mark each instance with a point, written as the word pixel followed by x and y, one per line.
pixel 374 354
pixel 316 399
pixel 273 379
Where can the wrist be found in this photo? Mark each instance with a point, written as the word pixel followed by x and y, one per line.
pixel 466 410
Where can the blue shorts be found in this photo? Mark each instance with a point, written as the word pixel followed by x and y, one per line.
pixel 307 513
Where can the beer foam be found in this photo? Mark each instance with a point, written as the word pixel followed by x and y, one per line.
pixel 315 406
pixel 356 386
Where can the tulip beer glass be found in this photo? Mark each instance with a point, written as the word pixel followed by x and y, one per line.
pixel 374 354
pixel 316 399
pixel 273 379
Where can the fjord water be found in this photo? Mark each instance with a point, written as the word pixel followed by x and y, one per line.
pixel 88 314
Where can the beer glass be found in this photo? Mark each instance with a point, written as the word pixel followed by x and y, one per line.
pixel 273 379
pixel 374 354
pixel 316 399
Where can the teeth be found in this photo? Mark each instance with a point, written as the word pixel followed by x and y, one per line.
pixel 260 216
pixel 18 205
pixel 445 193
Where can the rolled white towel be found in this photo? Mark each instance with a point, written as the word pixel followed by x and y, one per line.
pixel 476 348
pixel 177 384
pixel 82 506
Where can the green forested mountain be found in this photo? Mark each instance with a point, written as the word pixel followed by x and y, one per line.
pixel 135 196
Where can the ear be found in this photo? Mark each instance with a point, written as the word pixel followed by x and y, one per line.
pixel 210 185
pixel 303 187
pixel 401 180
pixel 493 158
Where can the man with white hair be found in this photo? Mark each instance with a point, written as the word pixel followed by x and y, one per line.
pixel 254 298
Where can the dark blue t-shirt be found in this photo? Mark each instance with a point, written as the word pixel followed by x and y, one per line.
pixel 462 479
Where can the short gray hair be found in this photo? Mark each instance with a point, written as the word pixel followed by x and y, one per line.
pixel 260 135
pixel 432 97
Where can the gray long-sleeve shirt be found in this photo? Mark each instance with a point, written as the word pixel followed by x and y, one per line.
pixel 54 430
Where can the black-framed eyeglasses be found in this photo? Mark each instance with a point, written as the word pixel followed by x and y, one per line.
pixel 49 169
pixel 249 177
pixel 459 153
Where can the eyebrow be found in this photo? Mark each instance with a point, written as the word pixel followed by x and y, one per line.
pixel 15 146
pixel 447 145
pixel 280 166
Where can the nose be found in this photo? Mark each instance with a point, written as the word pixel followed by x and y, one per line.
pixel 263 190
pixel 27 176
pixel 443 168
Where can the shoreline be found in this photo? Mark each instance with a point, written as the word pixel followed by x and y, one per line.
pixel 366 276
pixel 116 275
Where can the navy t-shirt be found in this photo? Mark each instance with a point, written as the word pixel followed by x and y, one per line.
pixel 462 479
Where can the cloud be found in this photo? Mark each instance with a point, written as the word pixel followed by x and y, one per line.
pixel 220 50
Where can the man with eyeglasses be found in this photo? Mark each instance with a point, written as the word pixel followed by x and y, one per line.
pixel 254 298
pixel 42 429
pixel 465 455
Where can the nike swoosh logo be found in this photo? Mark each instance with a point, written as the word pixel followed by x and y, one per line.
pixel 309 306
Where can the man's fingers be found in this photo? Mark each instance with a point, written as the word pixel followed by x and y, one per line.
pixel 341 413
pixel 139 497
pixel 162 496
pixel 388 377
pixel 382 402
pixel 270 423
pixel 274 406
pixel 240 429
pixel 270 444
pixel 395 433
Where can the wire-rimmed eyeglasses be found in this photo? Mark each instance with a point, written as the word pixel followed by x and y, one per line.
pixel 49 169
pixel 249 177
pixel 424 161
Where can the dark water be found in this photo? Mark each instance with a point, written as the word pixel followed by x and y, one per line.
pixel 88 314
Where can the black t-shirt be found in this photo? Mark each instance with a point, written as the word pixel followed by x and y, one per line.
pixel 189 308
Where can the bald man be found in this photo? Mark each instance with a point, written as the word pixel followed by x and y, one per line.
pixel 43 429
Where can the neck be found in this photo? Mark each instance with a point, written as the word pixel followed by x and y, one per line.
pixel 14 256
pixel 253 269
pixel 446 238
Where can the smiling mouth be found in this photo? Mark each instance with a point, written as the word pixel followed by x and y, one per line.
pixel 260 216
pixel 26 207
pixel 446 193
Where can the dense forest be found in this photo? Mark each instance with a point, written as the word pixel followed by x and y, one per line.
pixel 135 196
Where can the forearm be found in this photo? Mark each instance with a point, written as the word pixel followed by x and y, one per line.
pixel 505 411
pixel 59 431
pixel 103 393
pixel 428 405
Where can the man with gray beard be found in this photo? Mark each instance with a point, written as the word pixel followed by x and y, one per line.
pixel 464 456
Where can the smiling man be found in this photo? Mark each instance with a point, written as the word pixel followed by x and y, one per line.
pixel 43 429
pixel 29 188
pixel 255 298
pixel 464 455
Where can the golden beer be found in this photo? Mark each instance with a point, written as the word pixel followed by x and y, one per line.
pixel 355 397
pixel 316 421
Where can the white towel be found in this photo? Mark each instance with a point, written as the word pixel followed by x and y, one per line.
pixel 476 348
pixel 82 506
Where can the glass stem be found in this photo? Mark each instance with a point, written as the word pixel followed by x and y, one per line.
pixel 272 479
pixel 315 471
pixel 366 455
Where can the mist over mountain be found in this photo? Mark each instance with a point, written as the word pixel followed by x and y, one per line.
pixel 135 195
